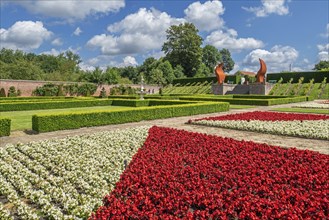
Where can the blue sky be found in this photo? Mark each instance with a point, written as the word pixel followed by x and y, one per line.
pixel 122 33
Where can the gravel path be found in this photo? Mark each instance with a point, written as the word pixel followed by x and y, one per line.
pixel 179 123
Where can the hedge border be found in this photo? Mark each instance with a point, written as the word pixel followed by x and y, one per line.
pixel 24 106
pixel 5 124
pixel 258 102
pixel 318 76
pixel 54 122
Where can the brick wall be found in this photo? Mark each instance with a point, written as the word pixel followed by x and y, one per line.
pixel 27 86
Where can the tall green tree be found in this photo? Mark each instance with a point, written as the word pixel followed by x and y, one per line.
pixel 211 56
pixel 111 75
pixel 323 64
pixel 227 60
pixel 183 47
pixel 167 70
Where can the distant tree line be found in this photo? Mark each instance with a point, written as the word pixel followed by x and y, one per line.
pixel 184 57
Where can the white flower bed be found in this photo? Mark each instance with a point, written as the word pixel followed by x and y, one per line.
pixel 317 129
pixel 66 178
pixel 312 105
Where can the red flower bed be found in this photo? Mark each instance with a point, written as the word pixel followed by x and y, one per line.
pixel 184 175
pixel 268 116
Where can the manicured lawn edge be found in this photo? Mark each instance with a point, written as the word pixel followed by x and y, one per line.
pixel 54 122
pixel 5 127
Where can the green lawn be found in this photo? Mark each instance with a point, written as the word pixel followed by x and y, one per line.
pixel 302 110
pixel 22 120
pixel 241 106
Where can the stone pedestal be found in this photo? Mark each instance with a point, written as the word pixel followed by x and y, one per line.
pixel 253 89
pixel 260 88
pixel 222 89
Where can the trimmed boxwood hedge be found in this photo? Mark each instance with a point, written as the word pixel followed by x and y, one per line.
pixel 53 122
pixel 22 106
pixel 318 76
pixel 182 81
pixel 240 101
pixel 5 127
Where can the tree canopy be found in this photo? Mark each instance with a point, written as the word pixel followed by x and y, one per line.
pixel 183 47
pixel 322 65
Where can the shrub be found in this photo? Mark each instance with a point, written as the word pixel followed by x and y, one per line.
pixel 87 89
pixel 45 123
pixel 5 127
pixel 21 106
pixel 2 92
pixel 318 76
pixel 12 91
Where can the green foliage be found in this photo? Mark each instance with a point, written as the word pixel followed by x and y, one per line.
pixel 318 76
pixel 48 89
pixel 183 47
pixel 45 123
pixel 130 72
pixel 71 89
pixel 156 77
pixel 227 60
pixel 12 91
pixel 179 72
pixel 211 57
pixel 322 65
pixel 55 104
pixel 2 92
pixel 112 76
pixel 29 66
pixel 203 71
pixel 122 90
pixel 5 127
pixel 130 102
pixel 87 89
pixel 248 101
pixel 167 70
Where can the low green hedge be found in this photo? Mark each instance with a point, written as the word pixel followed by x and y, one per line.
pixel 130 102
pixel 37 97
pixel 5 127
pixel 22 106
pixel 46 123
pixel 123 97
pixel 318 76
pixel 259 96
pixel 258 102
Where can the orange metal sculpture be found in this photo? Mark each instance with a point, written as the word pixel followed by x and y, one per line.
pixel 261 72
pixel 220 73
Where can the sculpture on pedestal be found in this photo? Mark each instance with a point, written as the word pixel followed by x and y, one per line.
pixel 220 75
pixel 261 72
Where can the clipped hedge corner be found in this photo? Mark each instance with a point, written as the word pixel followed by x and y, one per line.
pixel 5 127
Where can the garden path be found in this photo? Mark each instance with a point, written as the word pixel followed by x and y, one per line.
pixel 321 146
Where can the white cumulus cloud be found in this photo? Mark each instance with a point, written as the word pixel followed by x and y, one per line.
pixel 230 40
pixel 24 35
pixel 277 59
pixel 269 7
pixel 205 17
pixel 57 42
pixel 77 31
pixel 137 33
pixel 323 52
pixel 129 61
pixel 71 9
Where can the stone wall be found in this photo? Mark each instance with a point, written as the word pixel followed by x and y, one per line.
pixel 254 88
pixel 27 86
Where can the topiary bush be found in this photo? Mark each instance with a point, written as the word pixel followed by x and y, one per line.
pixel 2 92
